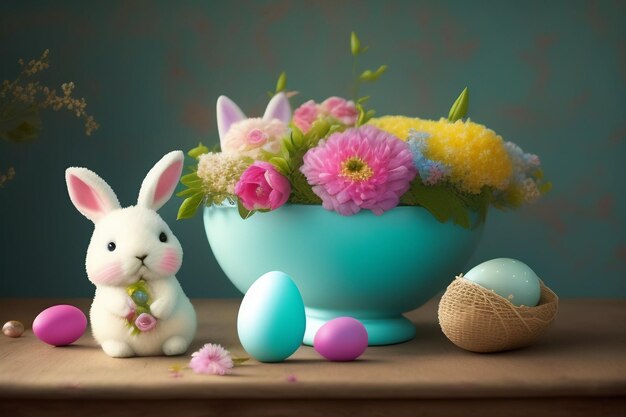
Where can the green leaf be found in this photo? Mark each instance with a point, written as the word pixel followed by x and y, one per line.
pixel 369 75
pixel 441 201
pixel 366 75
pixel 281 84
pixel 478 203
pixel 189 179
pixel 190 205
pixel 286 148
pixel 460 106
pixel 301 191
pixel 355 44
pixel 281 165
pixel 243 211
pixel 363 100
pixel 240 361
pixel 198 150
pixel 188 192
pixel 318 130
pixel 297 137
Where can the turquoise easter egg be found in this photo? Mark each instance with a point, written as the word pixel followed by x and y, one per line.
pixel 271 320
pixel 509 278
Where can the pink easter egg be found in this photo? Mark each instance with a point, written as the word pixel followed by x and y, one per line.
pixel 60 325
pixel 341 339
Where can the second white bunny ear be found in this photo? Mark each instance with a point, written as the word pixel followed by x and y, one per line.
pixel 161 181
pixel 278 108
pixel 91 195
pixel 227 114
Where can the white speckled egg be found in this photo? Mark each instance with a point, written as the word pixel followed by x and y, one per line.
pixel 271 320
pixel 509 278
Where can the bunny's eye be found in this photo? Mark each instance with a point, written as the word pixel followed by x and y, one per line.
pixel 163 237
pixel 111 246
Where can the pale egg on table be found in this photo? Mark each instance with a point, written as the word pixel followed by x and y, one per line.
pixel 271 320
pixel 509 278
pixel 13 328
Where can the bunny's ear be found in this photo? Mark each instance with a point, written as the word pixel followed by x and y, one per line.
pixel 91 195
pixel 161 181
pixel 278 108
pixel 227 114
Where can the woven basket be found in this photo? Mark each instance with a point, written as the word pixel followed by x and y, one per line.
pixel 477 319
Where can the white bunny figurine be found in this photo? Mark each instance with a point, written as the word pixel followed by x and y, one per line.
pixel 139 308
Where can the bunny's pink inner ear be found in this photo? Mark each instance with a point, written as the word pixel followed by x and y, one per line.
pixel 278 108
pixel 161 181
pixel 167 182
pixel 90 194
pixel 83 196
pixel 228 113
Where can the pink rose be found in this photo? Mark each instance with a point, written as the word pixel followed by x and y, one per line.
pixel 305 115
pixel 145 322
pixel 340 109
pixel 257 137
pixel 261 186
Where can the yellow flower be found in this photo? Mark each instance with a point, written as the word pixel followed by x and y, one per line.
pixel 475 154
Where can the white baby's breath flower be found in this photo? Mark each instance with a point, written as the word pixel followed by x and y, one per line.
pixel 220 172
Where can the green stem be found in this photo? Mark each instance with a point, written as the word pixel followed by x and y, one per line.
pixel 357 82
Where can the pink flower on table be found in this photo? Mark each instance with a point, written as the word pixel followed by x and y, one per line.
pixel 361 168
pixel 337 108
pixel 211 359
pixel 261 186
pixel 145 322
pixel 305 115
pixel 341 110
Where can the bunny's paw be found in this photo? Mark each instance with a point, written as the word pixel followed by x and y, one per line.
pixel 161 308
pixel 175 346
pixel 117 349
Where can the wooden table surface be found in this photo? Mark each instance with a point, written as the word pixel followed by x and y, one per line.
pixel 578 368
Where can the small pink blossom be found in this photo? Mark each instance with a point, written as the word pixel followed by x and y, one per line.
pixel 340 109
pixel 362 168
pixel 211 359
pixel 305 115
pixel 337 108
pixel 145 322
pixel 257 137
pixel 261 186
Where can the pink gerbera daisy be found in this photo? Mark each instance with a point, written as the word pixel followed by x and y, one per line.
pixel 361 168
pixel 211 359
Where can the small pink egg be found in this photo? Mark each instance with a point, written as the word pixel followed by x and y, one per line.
pixel 341 339
pixel 60 325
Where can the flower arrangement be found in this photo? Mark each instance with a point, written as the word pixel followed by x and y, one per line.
pixel 336 154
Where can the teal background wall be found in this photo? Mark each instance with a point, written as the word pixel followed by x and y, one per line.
pixel 550 76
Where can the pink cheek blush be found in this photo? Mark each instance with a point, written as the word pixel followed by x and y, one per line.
pixel 341 339
pixel 60 325
pixel 108 274
pixel 170 263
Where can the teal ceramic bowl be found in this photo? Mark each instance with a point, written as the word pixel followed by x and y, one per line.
pixel 372 268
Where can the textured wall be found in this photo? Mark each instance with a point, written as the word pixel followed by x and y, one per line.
pixel 550 76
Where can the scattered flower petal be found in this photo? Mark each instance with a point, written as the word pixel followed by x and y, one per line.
pixel 211 359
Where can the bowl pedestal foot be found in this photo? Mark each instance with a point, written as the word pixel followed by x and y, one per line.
pixel 380 331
